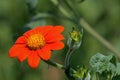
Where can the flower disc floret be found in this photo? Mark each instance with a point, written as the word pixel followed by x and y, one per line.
pixel 35 41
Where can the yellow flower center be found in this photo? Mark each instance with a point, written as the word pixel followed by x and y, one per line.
pixel 75 35
pixel 36 41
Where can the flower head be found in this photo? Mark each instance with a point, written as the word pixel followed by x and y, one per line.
pixel 36 44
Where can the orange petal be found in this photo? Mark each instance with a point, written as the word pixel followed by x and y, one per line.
pixel 29 33
pixel 53 38
pixel 55 45
pixel 21 40
pixel 43 29
pixel 15 50
pixel 58 29
pixel 40 29
pixel 23 54
pixel 55 34
pixel 33 60
pixel 44 53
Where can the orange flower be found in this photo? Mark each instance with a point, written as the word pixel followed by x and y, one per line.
pixel 36 44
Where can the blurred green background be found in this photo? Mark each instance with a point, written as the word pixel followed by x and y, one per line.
pixel 102 15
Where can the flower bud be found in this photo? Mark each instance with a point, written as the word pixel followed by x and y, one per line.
pixel 75 39
pixel 81 73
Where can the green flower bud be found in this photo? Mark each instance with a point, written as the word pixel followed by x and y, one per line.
pixel 81 73
pixel 75 39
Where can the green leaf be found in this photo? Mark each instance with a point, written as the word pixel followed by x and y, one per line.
pixel 118 69
pixel 106 66
pixel 96 62
pixel 101 63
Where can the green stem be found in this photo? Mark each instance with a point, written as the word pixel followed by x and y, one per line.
pixel 60 7
pixel 54 64
pixel 68 56
pixel 88 28
pixel 97 77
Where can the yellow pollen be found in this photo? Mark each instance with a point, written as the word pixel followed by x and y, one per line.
pixel 36 41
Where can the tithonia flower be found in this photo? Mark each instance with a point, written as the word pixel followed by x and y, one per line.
pixel 36 44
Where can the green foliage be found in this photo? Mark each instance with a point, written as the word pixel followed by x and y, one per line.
pixel 118 69
pixel 81 73
pixel 102 63
pixel 106 67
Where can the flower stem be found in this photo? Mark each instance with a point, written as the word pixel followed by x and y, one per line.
pixel 54 64
pixel 68 56
pixel 88 28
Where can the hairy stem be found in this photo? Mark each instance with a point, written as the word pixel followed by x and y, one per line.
pixel 67 57
pixel 88 28
pixel 54 64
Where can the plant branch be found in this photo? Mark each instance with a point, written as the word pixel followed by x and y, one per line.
pixel 88 28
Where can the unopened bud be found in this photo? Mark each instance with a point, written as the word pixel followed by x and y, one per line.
pixel 81 73
pixel 75 39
